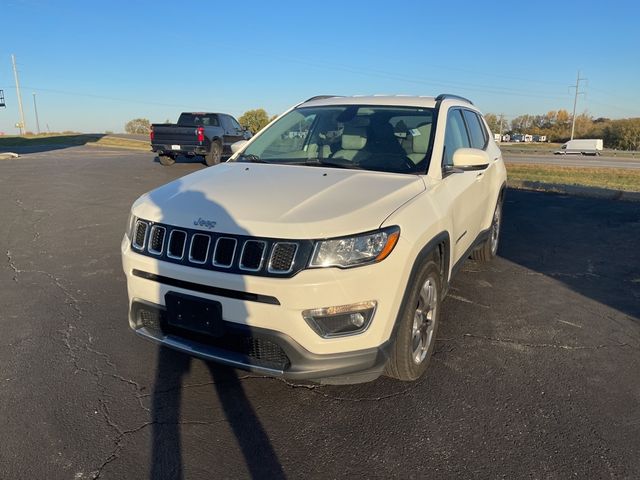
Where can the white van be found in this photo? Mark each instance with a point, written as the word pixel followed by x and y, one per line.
pixel 583 146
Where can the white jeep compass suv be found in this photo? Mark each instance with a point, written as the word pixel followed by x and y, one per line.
pixel 324 247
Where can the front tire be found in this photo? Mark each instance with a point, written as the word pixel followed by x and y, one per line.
pixel 489 248
pixel 416 336
pixel 214 155
pixel 166 160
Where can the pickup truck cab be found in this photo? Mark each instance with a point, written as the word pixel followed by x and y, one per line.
pixel 209 135
pixel 323 248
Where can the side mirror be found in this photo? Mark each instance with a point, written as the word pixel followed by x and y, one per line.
pixel 470 159
pixel 237 146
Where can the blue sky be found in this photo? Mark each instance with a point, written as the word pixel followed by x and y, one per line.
pixel 96 65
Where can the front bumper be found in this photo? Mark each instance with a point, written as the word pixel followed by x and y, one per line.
pixel 259 350
pixel 271 309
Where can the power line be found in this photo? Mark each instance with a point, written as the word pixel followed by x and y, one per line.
pixel 101 97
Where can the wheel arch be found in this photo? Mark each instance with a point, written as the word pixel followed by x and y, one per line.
pixel 440 246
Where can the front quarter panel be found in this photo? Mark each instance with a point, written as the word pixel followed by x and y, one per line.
pixel 422 219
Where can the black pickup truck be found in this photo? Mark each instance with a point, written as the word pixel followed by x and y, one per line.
pixel 209 135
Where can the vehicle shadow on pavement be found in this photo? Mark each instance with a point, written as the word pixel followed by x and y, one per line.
pixel 166 461
pixel 589 244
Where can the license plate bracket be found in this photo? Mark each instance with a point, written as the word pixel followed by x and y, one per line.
pixel 195 314
pixel 175 147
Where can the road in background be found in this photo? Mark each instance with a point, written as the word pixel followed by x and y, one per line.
pixel 573 160
pixel 535 372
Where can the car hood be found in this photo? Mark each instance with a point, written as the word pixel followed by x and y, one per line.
pixel 280 201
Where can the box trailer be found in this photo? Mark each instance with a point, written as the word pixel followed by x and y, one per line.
pixel 583 146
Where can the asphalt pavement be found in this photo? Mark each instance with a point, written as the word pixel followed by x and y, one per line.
pixel 535 373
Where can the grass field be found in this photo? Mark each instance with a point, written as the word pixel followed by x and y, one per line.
pixel 73 139
pixel 117 142
pixel 609 178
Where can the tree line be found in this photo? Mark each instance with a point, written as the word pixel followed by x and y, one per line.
pixel 623 134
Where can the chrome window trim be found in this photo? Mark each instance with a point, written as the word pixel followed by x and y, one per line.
pixel 233 255
pixel 293 258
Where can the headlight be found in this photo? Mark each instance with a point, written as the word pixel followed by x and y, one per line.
pixel 356 250
pixel 130 223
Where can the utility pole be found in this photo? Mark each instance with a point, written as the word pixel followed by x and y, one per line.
pixel 35 108
pixel 575 102
pixel 501 118
pixel 23 127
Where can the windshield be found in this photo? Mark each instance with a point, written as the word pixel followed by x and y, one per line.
pixel 386 139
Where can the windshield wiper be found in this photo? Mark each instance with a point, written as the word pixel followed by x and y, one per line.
pixel 317 162
pixel 250 157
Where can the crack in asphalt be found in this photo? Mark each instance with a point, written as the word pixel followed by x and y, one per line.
pixel 122 434
pixel 543 345
pixel 466 300
pixel 12 266
pixel 315 388
pixel 312 387
pixel 72 351
pixel 197 385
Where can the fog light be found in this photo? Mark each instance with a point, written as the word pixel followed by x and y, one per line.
pixel 144 317
pixel 340 320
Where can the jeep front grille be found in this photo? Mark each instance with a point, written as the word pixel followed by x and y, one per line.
pixel 282 257
pixel 221 252
pixel 199 248
pixel 252 255
pixel 140 234
pixel 177 241
pixel 156 239
pixel 224 252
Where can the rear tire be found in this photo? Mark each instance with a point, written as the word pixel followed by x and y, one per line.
pixel 166 160
pixel 214 155
pixel 489 248
pixel 416 335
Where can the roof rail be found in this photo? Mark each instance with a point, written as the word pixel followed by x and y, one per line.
pixel 444 96
pixel 320 97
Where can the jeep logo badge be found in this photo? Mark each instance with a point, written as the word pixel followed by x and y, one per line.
pixel 200 222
